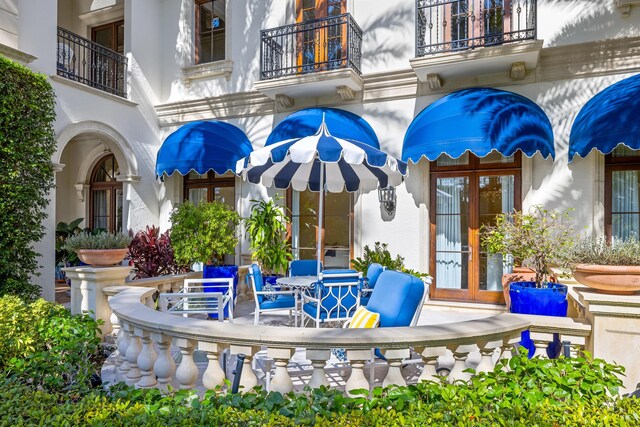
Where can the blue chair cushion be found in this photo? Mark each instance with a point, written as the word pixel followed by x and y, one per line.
pixel 258 280
pixel 364 300
pixel 304 267
pixel 373 272
pixel 281 301
pixel 396 297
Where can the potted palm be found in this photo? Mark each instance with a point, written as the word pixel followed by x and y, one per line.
pixel 267 230
pixel 205 233
pixel 537 240
pixel 608 267
pixel 100 249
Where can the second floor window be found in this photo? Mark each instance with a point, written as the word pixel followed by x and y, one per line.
pixel 210 30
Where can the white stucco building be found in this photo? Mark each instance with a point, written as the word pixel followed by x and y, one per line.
pixel 172 62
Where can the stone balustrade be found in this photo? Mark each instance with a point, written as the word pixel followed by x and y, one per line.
pixel 146 338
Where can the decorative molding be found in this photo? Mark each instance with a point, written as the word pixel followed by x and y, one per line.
pixel 58 167
pixel 103 15
pixel 89 89
pixel 128 178
pixel 582 60
pixel 81 190
pixel 346 93
pixel 624 6
pixel 518 71
pixel 312 84
pixel 434 81
pixel 285 101
pixel 16 55
pixel 207 70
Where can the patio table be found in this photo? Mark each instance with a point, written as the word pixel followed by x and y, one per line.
pixel 299 284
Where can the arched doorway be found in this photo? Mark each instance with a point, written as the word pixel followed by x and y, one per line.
pixel 105 195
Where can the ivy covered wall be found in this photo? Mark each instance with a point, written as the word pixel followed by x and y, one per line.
pixel 27 142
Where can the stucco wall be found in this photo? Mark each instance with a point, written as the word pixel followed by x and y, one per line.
pixel 9 23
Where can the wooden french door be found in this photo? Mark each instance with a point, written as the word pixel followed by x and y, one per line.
pixel 324 47
pixel 462 200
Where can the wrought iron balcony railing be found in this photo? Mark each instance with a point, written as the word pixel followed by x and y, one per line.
pixel 309 47
pixel 454 25
pixel 84 61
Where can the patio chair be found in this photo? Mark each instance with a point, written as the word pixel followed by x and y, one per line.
pixel 373 272
pixel 304 267
pixel 201 296
pixel 269 299
pixel 335 297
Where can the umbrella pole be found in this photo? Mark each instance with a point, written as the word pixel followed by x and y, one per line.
pixel 320 209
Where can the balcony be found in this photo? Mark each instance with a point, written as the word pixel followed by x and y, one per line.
pixel 312 58
pixel 449 33
pixel 86 62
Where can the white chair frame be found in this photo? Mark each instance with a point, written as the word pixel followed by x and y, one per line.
pixel 346 283
pixel 194 299
pixel 258 310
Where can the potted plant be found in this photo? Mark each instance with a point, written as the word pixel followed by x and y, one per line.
pixel 65 258
pixel 608 267
pixel 537 240
pixel 205 233
pixel 100 249
pixel 267 230
pixel 152 255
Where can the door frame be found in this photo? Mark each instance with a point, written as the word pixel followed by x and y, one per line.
pixel 473 172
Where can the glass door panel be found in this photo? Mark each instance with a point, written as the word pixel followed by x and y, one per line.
pixel 337 234
pixel 226 195
pixel 496 195
pixel 101 209
pixel 452 250
pixel 625 204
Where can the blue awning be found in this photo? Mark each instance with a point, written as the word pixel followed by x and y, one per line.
pixel 610 118
pixel 479 120
pixel 342 124
pixel 202 146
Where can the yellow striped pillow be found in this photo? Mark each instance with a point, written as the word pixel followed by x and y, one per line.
pixel 364 318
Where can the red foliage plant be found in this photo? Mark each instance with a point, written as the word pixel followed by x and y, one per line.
pixel 152 255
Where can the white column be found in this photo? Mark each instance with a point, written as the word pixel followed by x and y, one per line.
pixel 164 366
pixel 214 375
pixel 357 380
pixel 281 380
pixel 318 360
pixel 430 357
pixel 394 359
pixel 487 349
pixel 122 342
pixel 187 372
pixel 460 354
pixel 146 360
pixel 508 350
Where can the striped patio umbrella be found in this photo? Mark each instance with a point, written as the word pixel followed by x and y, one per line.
pixel 339 164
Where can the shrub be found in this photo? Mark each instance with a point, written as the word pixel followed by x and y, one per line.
pixel 381 255
pixel 267 229
pixel 152 254
pixel 203 232
pixel 102 240
pixel 591 250
pixel 44 346
pixel 530 394
pixel 27 142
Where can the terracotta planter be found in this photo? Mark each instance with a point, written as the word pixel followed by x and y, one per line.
pixel 102 257
pixel 609 279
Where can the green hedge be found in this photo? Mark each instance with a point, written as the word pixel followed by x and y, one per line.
pixel 564 392
pixel 44 346
pixel 27 142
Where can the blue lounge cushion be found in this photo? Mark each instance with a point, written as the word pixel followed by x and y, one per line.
pixel 281 301
pixel 396 297
pixel 373 273
pixel 257 280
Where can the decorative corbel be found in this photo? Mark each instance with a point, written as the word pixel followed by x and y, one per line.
pixel 285 101
pixel 346 93
pixel 80 191
pixel 518 71
pixel 434 82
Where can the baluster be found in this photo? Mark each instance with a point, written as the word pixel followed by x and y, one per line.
pixel 508 349
pixel 214 374
pixel 121 344
pixel 430 357
pixel 357 380
pixel 541 341
pixel 146 360
pixel 318 360
pixel 115 321
pixel 133 351
pixel 187 372
pixel 248 379
pixel 394 359
pixel 281 380
pixel 460 354
pixel 164 367
pixel 487 349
